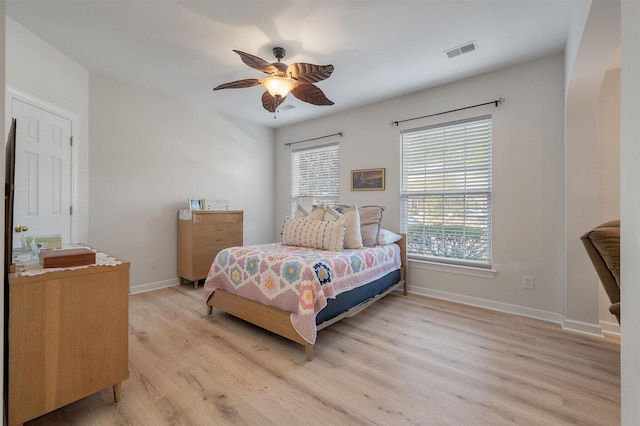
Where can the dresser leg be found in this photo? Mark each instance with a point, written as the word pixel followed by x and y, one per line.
pixel 116 392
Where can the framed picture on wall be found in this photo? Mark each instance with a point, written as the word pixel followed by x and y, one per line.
pixel 367 180
pixel 196 204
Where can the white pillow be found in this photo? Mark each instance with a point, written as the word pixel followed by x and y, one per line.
pixel 313 234
pixel 352 234
pixel 331 214
pixel 317 213
pixel 351 219
pixel 301 212
pixel 387 237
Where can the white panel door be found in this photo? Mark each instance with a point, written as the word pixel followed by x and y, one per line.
pixel 43 172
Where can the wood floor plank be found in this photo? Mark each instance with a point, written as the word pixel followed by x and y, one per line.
pixel 406 360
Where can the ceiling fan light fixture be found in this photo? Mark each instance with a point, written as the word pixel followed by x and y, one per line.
pixel 277 86
pixel 282 79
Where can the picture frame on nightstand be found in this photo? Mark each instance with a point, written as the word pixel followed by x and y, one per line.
pixel 196 204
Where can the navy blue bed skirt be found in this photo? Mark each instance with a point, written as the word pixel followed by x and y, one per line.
pixel 347 300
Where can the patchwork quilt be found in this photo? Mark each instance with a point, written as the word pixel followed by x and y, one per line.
pixel 298 280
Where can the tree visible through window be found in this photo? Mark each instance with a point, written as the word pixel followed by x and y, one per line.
pixel 446 192
pixel 315 172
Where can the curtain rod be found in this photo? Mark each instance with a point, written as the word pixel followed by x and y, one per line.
pixel 496 102
pixel 313 139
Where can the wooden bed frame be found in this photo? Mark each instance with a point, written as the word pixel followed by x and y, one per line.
pixel 279 322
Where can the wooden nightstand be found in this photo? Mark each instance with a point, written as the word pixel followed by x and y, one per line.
pixel 201 235
pixel 68 336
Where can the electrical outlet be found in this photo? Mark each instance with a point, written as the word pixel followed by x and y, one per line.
pixel 527 282
pixel 153 263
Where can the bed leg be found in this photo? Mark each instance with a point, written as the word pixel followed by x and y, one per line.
pixel 308 349
pixel 209 310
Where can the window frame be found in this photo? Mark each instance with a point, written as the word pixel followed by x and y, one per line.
pixel 471 180
pixel 327 184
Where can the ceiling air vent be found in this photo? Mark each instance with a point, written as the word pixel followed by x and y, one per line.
pixel 465 48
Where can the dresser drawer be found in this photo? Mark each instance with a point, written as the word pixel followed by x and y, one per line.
pixel 217 218
pixel 212 230
pixel 202 261
pixel 226 239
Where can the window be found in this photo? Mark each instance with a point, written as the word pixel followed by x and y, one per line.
pixel 315 172
pixel 446 192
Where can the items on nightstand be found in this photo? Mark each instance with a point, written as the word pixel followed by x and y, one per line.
pixel 64 258
pixel 42 241
pixel 217 204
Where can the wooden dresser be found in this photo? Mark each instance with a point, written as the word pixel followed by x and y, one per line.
pixel 68 337
pixel 201 235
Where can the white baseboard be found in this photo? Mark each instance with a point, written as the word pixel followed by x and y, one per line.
pixel 582 327
pixel 610 327
pixel 554 317
pixel 142 288
pixel 490 304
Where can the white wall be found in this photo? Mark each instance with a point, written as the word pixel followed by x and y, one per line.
pixel 528 214
pixel 599 41
pixel 608 161
pixel 44 74
pixel 149 153
pixel 630 212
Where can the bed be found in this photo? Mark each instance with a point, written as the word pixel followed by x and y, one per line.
pixel 296 291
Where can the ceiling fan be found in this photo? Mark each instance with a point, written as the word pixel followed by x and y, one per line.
pixel 296 78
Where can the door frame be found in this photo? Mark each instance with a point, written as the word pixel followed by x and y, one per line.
pixel 11 94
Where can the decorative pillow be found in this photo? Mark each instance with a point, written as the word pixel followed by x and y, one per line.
pixel 317 213
pixel 331 214
pixel 387 237
pixel 352 234
pixel 351 218
pixel 370 218
pixel 301 212
pixel 341 208
pixel 313 234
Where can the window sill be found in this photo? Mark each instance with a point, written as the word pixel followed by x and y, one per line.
pixel 453 269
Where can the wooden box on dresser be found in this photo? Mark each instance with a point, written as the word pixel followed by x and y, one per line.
pixel 201 235
pixel 68 337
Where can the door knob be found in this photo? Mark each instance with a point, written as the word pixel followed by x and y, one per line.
pixel 22 228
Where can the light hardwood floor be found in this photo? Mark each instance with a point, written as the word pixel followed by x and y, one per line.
pixel 406 360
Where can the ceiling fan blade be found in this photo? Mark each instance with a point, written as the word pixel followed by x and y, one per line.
pixel 271 103
pixel 309 73
pixel 257 63
pixel 239 84
pixel 310 94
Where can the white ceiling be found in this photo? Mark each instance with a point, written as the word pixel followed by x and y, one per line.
pixel 379 48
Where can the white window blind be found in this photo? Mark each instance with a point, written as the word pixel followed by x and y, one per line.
pixel 446 192
pixel 315 172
